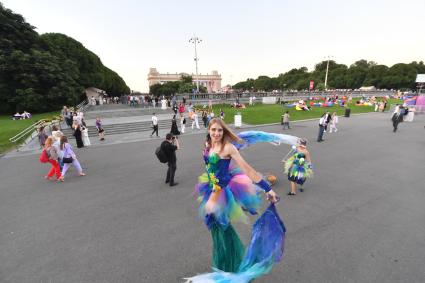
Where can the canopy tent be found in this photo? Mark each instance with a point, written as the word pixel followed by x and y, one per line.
pixel 420 83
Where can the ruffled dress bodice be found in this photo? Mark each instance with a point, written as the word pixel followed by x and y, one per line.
pixel 297 168
pixel 225 192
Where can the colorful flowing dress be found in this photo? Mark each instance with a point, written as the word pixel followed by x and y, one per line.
pixel 297 168
pixel 226 195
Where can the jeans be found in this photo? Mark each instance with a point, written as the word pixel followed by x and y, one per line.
pixel 320 136
pixel 172 167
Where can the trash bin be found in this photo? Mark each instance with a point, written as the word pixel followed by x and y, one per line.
pixel 238 120
pixel 347 112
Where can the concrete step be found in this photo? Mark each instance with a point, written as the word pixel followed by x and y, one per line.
pixel 122 128
pixel 128 112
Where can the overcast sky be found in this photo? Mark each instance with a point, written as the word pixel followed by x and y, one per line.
pixel 241 39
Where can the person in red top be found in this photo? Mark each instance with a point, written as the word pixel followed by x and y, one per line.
pixel 53 157
pixel 181 109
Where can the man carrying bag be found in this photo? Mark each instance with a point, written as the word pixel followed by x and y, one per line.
pixel 169 147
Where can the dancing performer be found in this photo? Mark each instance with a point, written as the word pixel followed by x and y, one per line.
pixel 298 166
pixel 226 195
pixel 69 158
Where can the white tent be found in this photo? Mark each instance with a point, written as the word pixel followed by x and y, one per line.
pixel 420 78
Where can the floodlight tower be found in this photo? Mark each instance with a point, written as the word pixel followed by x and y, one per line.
pixel 196 40
pixel 327 70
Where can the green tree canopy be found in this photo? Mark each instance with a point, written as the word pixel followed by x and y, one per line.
pixel 360 73
pixel 184 85
pixel 43 72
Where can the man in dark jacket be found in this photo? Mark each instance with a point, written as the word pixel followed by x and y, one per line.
pixel 397 117
pixel 169 146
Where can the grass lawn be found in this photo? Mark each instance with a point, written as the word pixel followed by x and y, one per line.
pixel 9 127
pixel 265 114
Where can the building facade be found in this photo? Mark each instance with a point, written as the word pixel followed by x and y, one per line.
pixel 211 81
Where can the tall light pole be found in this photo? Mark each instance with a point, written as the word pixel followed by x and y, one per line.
pixel 195 40
pixel 327 69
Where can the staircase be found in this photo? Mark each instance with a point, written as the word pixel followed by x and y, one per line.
pixel 122 128
pixel 119 110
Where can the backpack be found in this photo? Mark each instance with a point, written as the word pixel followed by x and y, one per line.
pixel 162 157
pixel 44 157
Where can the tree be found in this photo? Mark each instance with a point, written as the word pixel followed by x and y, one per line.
pixel 42 73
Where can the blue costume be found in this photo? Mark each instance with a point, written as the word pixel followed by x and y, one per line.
pixel 227 195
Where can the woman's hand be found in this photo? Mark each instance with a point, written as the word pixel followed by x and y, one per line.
pixel 272 197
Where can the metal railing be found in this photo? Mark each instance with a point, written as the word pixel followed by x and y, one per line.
pixel 82 106
pixel 29 133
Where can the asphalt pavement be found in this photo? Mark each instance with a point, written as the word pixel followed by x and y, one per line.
pixel 360 219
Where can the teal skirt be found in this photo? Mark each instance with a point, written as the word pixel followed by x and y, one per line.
pixel 228 249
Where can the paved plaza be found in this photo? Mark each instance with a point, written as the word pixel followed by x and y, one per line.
pixel 360 219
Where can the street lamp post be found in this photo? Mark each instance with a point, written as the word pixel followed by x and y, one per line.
pixel 195 40
pixel 327 70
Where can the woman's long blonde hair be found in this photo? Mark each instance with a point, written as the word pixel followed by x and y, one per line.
pixel 228 135
pixel 48 142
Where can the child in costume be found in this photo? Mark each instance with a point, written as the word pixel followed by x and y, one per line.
pixel 298 166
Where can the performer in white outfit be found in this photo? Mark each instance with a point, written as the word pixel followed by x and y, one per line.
pixel 85 136
pixel 182 124
pixel 195 121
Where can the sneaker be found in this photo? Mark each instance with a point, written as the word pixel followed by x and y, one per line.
pixel 173 184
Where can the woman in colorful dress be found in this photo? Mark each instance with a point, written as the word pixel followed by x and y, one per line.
pixel 298 166
pixel 227 194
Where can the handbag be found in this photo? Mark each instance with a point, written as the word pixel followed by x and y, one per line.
pixel 67 159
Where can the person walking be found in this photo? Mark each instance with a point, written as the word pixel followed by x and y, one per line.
pixel 53 156
pixel 221 114
pixel 154 125
pixel 205 118
pixel 195 121
pixel 69 158
pixel 298 166
pixel 85 135
pixel 100 129
pixel 182 124
pixel 322 124
pixel 78 134
pixel 286 120
pixel 169 146
pixel 181 109
pixel 42 136
pixel 56 134
pixel 397 117
pixel 174 129
pixel 334 122
pixel 327 120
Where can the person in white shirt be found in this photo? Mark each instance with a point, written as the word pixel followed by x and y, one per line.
pixel 322 124
pixel 154 125
pixel 334 122
pixel 182 123
pixel 195 121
